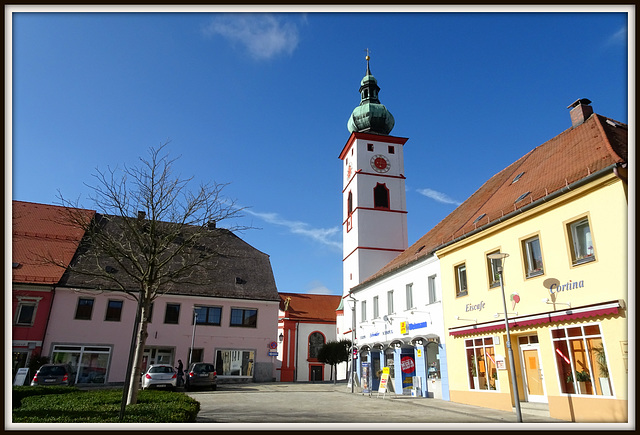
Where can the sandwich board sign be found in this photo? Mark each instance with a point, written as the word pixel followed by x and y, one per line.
pixel 385 383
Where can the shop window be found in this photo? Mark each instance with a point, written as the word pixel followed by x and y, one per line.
pixel 172 314
pixel 433 296
pixel 461 280
pixel 316 341
pixel 580 242
pixel 231 362
pixel 532 255
pixel 208 315
pixel 433 360
pixel 363 307
pixel 492 270
pixel 376 312
pixel 84 309
pixel 380 196
pixel 243 317
pixel 88 363
pixel 25 313
pixel 481 363
pixel 581 360
pixel 114 311
pixel 409 296
pixel 390 302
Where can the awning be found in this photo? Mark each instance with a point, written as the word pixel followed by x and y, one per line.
pixel 595 310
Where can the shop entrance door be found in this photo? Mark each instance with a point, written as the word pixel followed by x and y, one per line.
pixel 533 374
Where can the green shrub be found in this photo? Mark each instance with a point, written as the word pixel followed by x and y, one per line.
pixel 103 406
pixel 21 392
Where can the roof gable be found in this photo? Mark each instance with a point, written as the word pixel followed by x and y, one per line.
pixel 308 307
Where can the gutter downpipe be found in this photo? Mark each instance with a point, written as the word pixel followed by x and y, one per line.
pixel 551 196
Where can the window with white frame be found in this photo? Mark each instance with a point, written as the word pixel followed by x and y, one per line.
pixel 433 296
pixel 390 302
pixel 26 313
pixel 376 313
pixel 481 363
pixel 409 296
pixel 363 308
pixel 532 255
pixel 492 270
pixel 461 280
pixel 581 360
pixel 580 241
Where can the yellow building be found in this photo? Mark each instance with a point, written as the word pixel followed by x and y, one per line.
pixel 560 213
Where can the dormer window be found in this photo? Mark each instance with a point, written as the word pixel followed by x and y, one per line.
pixel 521 197
pixel 479 218
pixel 517 177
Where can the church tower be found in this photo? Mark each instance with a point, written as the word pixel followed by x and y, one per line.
pixel 373 189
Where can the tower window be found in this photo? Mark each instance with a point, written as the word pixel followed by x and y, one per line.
pixel 380 196
pixel 349 204
pixel 370 147
pixel 392 149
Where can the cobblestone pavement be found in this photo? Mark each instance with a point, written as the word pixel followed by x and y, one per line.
pixel 333 406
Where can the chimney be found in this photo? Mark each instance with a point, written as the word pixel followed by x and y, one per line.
pixel 141 215
pixel 211 225
pixel 580 111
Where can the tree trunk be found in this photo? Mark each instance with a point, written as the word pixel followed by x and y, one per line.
pixel 141 339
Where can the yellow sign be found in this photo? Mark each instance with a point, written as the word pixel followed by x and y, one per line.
pixel 385 370
pixel 418 352
pixel 383 382
pixel 403 327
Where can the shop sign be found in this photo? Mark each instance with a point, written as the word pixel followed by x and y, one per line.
pixel 407 364
pixel 475 307
pixel 403 328
pixel 500 364
pixel 417 325
pixel 557 288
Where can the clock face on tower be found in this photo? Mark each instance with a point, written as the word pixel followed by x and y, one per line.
pixel 380 163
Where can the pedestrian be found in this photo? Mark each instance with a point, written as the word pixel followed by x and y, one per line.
pixel 180 369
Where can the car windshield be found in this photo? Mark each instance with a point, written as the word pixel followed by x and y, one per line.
pixel 52 371
pixel 161 369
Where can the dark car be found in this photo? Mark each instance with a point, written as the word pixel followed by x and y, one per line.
pixel 201 374
pixel 54 374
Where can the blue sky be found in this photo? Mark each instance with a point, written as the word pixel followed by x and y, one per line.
pixel 261 101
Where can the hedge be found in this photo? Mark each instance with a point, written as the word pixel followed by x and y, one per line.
pixel 101 406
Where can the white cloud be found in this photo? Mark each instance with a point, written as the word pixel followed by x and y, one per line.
pixel 619 37
pixel 438 196
pixel 325 236
pixel 263 35
pixel 317 288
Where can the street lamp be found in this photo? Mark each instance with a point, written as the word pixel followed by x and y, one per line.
pixel 193 335
pixel 352 305
pixel 498 257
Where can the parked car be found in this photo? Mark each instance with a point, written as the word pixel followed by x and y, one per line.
pixel 54 374
pixel 159 376
pixel 201 374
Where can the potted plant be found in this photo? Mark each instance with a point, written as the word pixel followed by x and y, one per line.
pixel 582 378
pixel 603 369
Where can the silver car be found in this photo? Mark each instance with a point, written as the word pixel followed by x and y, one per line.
pixel 159 376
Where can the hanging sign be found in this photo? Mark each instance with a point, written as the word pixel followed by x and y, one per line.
pixel 403 328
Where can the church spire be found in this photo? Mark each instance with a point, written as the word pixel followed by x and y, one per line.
pixel 370 116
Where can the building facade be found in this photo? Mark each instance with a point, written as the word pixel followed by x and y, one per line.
pixel 562 213
pixel 305 323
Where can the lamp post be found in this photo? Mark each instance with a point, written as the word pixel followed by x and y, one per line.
pixel 498 257
pixel 352 305
pixel 193 335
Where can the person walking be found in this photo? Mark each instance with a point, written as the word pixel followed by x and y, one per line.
pixel 180 370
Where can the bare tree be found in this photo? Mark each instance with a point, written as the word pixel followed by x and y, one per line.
pixel 146 237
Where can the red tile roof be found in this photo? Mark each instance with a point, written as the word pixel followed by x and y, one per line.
pixel 574 154
pixel 38 234
pixel 310 308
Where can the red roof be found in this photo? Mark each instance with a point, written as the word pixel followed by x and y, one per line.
pixel 574 154
pixel 310 308
pixel 39 233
